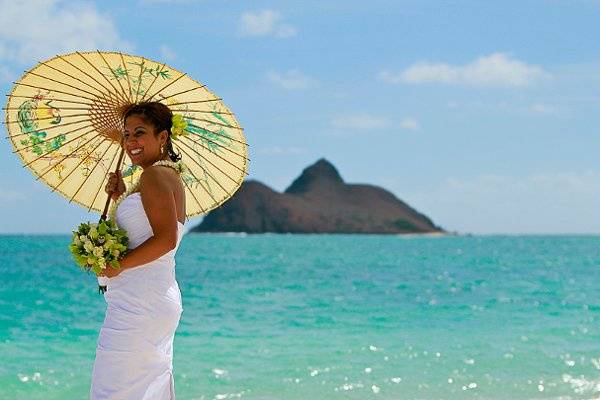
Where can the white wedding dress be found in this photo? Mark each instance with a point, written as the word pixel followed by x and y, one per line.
pixel 134 355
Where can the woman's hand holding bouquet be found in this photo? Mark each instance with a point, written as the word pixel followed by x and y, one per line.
pixel 98 247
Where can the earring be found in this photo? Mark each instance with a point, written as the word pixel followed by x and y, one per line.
pixel 162 150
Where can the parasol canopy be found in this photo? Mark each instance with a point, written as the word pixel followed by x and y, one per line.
pixel 64 119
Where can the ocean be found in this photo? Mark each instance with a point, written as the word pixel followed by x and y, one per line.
pixel 328 317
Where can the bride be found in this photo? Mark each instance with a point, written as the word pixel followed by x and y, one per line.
pixel 134 354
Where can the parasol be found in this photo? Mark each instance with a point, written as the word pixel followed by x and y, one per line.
pixel 64 119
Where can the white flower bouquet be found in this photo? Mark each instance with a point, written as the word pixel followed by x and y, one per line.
pixel 96 246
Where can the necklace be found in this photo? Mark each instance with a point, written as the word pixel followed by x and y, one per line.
pixel 177 166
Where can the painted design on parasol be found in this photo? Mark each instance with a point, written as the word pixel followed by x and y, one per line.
pixel 144 78
pixel 33 116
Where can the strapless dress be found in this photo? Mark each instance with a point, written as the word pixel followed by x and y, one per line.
pixel 134 354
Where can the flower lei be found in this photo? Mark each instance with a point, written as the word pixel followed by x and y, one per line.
pixel 177 166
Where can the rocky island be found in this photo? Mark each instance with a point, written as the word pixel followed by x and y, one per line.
pixel 318 201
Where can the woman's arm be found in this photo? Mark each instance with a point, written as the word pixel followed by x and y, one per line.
pixel 159 203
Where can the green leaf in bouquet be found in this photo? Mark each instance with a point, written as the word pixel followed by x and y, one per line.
pixel 84 228
pixel 73 248
pixel 80 260
pixel 102 228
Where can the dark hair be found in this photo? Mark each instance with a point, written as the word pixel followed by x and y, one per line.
pixel 160 116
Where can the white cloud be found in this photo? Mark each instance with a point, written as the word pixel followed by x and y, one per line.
pixel 497 69
pixel 167 53
pixel 409 124
pixel 360 122
pixel 291 80
pixel 277 150
pixel 537 203
pixel 263 23
pixel 37 29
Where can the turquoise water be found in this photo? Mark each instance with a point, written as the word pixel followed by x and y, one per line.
pixel 328 317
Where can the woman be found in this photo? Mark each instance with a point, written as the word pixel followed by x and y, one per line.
pixel 135 346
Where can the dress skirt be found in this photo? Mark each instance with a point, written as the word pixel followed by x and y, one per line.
pixel 134 354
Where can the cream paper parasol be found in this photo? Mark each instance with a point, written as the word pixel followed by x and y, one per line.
pixel 64 119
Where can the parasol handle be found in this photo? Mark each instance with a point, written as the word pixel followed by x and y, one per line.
pixel 102 280
pixel 103 217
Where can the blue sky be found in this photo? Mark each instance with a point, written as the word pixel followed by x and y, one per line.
pixel 482 115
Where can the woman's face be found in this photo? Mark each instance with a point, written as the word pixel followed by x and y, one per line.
pixel 140 142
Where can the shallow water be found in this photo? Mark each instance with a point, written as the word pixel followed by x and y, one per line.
pixel 328 317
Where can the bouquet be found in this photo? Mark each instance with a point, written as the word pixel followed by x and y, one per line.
pixel 94 246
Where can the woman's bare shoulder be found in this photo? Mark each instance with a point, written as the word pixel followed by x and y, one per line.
pixel 160 175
